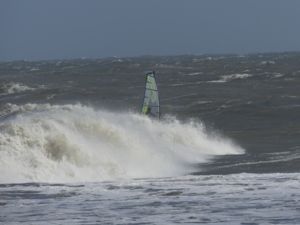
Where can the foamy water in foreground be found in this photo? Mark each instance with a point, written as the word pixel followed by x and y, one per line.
pixel 215 199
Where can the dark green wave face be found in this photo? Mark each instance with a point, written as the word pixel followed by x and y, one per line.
pixel 252 99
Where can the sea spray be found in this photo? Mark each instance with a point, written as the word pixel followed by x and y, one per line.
pixel 75 143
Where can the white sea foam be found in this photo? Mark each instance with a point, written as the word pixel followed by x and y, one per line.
pixel 67 143
pixel 12 88
pixel 194 74
pixel 226 78
pixel 34 69
pixel 277 75
pixel 267 198
pixel 269 62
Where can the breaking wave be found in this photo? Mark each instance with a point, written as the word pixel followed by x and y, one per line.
pixel 226 78
pixel 75 143
pixel 13 88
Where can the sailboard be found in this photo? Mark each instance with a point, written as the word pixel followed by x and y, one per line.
pixel 151 99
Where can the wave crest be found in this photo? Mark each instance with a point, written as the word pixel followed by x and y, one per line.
pixel 70 143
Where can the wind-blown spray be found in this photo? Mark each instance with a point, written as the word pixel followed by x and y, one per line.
pixel 71 143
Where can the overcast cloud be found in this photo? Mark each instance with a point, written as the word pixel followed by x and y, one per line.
pixel 35 29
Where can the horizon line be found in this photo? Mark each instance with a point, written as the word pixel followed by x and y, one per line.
pixel 150 55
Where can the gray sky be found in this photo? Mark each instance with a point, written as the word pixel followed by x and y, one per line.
pixel 51 29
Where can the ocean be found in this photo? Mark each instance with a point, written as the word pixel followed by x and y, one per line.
pixel 75 149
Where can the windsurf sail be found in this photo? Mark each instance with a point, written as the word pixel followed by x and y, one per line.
pixel 151 100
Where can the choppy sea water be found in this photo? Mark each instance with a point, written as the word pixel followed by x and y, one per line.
pixel 75 150
pixel 229 199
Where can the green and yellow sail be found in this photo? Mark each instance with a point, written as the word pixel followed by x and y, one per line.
pixel 151 100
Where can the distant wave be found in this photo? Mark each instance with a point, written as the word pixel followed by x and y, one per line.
pixel 69 143
pixel 226 78
pixel 194 74
pixel 13 88
pixel 278 75
pixel 269 62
